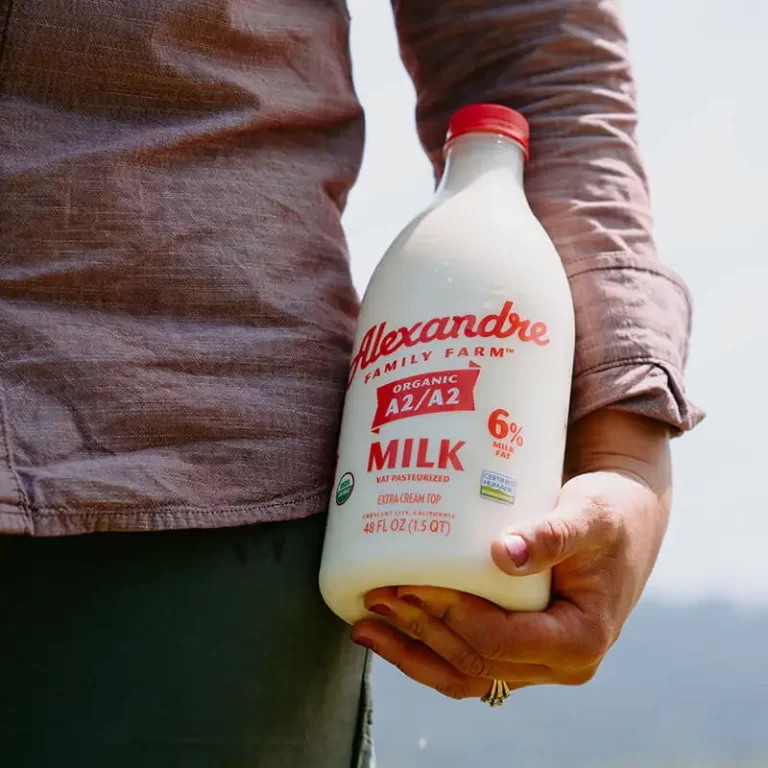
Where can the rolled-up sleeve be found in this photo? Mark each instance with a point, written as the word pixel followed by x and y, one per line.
pixel 564 64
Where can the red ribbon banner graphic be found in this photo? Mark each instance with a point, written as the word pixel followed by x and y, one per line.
pixel 436 392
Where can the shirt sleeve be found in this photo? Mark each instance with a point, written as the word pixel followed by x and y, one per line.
pixel 565 65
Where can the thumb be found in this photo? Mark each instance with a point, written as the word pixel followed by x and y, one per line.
pixel 573 528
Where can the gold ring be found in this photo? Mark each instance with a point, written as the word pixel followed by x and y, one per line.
pixel 498 694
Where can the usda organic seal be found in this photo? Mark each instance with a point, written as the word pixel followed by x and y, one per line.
pixel 345 487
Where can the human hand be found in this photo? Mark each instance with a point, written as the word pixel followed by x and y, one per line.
pixel 601 541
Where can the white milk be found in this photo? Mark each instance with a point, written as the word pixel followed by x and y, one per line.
pixel 455 416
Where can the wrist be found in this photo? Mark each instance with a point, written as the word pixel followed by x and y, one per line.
pixel 614 441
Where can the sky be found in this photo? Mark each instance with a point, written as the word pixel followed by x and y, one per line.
pixel 702 82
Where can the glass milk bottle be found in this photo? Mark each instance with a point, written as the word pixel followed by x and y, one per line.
pixel 457 401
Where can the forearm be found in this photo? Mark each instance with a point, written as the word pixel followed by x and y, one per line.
pixel 613 441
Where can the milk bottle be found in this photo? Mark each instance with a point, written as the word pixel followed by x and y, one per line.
pixel 457 400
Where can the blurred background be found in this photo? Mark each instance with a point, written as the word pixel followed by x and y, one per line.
pixel 687 684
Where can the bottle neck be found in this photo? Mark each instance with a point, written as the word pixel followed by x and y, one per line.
pixel 476 155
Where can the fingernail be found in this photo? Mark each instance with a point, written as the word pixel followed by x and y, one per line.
pixel 412 600
pixel 382 610
pixel 364 642
pixel 517 550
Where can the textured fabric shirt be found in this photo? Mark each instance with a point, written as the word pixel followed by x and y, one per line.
pixel 176 309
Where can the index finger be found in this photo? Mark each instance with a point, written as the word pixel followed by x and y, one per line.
pixel 556 637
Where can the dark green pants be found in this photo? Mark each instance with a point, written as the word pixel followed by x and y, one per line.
pixel 188 649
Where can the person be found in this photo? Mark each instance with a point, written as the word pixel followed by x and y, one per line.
pixel 177 317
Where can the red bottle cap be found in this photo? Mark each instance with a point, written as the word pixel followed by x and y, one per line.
pixel 490 118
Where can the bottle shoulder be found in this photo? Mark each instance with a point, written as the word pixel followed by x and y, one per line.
pixel 475 240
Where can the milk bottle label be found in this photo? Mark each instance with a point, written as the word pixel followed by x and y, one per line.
pixel 429 404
